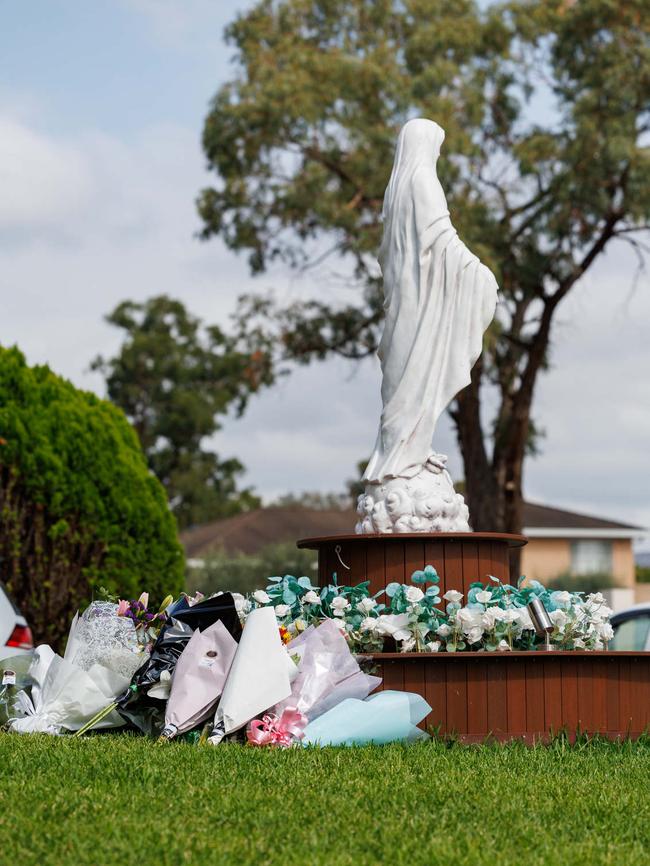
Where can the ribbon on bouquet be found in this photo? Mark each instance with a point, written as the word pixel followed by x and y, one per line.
pixel 282 730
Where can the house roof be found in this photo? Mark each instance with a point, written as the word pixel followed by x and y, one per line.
pixel 253 530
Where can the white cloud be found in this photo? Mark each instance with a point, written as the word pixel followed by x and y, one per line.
pixel 43 181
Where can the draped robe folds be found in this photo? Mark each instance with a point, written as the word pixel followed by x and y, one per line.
pixel 439 299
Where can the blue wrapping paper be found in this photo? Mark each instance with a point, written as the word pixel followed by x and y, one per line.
pixel 386 717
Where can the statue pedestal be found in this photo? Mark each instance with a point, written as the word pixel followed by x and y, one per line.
pixel 460 558
pixel 527 696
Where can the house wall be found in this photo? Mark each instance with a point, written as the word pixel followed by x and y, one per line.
pixel 546 558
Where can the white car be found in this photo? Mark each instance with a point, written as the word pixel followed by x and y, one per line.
pixel 15 634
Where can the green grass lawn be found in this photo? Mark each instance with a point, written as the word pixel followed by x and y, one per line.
pixel 121 799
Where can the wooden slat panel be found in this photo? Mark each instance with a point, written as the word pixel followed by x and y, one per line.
pixel 457 697
pixel 599 696
pixel 535 718
pixel 413 558
pixel 477 699
pixel 470 565
pixel 394 675
pixel 436 695
pixel 516 676
pixel 394 559
pixel 375 566
pixel 454 566
pixel 354 555
pixel 484 561
pixel 612 695
pixel 414 682
pixel 569 695
pixel 552 696
pixel 434 554
pixel 497 698
pixel 641 674
pixel 584 672
pixel 626 692
pixel 500 561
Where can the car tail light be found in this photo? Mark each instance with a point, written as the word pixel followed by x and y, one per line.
pixel 21 637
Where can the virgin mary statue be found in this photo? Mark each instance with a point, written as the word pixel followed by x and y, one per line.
pixel 438 301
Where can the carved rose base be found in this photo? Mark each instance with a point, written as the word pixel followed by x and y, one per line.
pixel 427 502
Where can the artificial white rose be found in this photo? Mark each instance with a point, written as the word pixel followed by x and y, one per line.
pixel 483 596
pixel 368 624
pixel 561 598
pixel 558 618
pixel 443 630
pixel 605 631
pixel 578 643
pixel 311 597
pixel 282 610
pixel 524 620
pixel 414 594
pixel 469 618
pixel 339 604
pixel 596 598
pixel 504 646
pixel 475 634
pixel 453 596
pixel 394 625
pixel 241 603
pixel 433 646
pixel 366 605
pixel 489 618
pixel 408 645
pixel 261 597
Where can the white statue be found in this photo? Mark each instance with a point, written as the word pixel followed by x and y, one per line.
pixel 439 299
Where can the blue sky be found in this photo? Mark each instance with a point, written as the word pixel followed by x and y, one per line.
pixel 101 108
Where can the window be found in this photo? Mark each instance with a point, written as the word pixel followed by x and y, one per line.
pixel 591 557
pixel 632 634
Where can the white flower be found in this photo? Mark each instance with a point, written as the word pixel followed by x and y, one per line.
pixel 469 618
pixel 261 597
pixel 300 624
pixel 407 645
pixel 339 604
pixel 524 620
pixel 474 635
pixel 443 630
pixel 484 596
pixel 414 594
pixel 368 624
pixel 433 646
pixel 558 618
pixel 394 625
pixel 311 597
pixel 596 598
pixel 282 610
pixel 561 598
pixel 366 605
pixel 453 595
pixel 578 643
pixel 605 631
pixel 504 645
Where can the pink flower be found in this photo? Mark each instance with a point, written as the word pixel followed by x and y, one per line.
pixel 123 607
pixel 144 599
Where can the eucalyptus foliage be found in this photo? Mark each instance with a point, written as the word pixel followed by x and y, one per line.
pixel 546 107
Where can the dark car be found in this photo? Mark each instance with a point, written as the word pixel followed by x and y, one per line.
pixel 631 628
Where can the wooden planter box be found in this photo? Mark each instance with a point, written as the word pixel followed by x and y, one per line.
pixel 526 695
pixel 460 558
pixel 511 695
